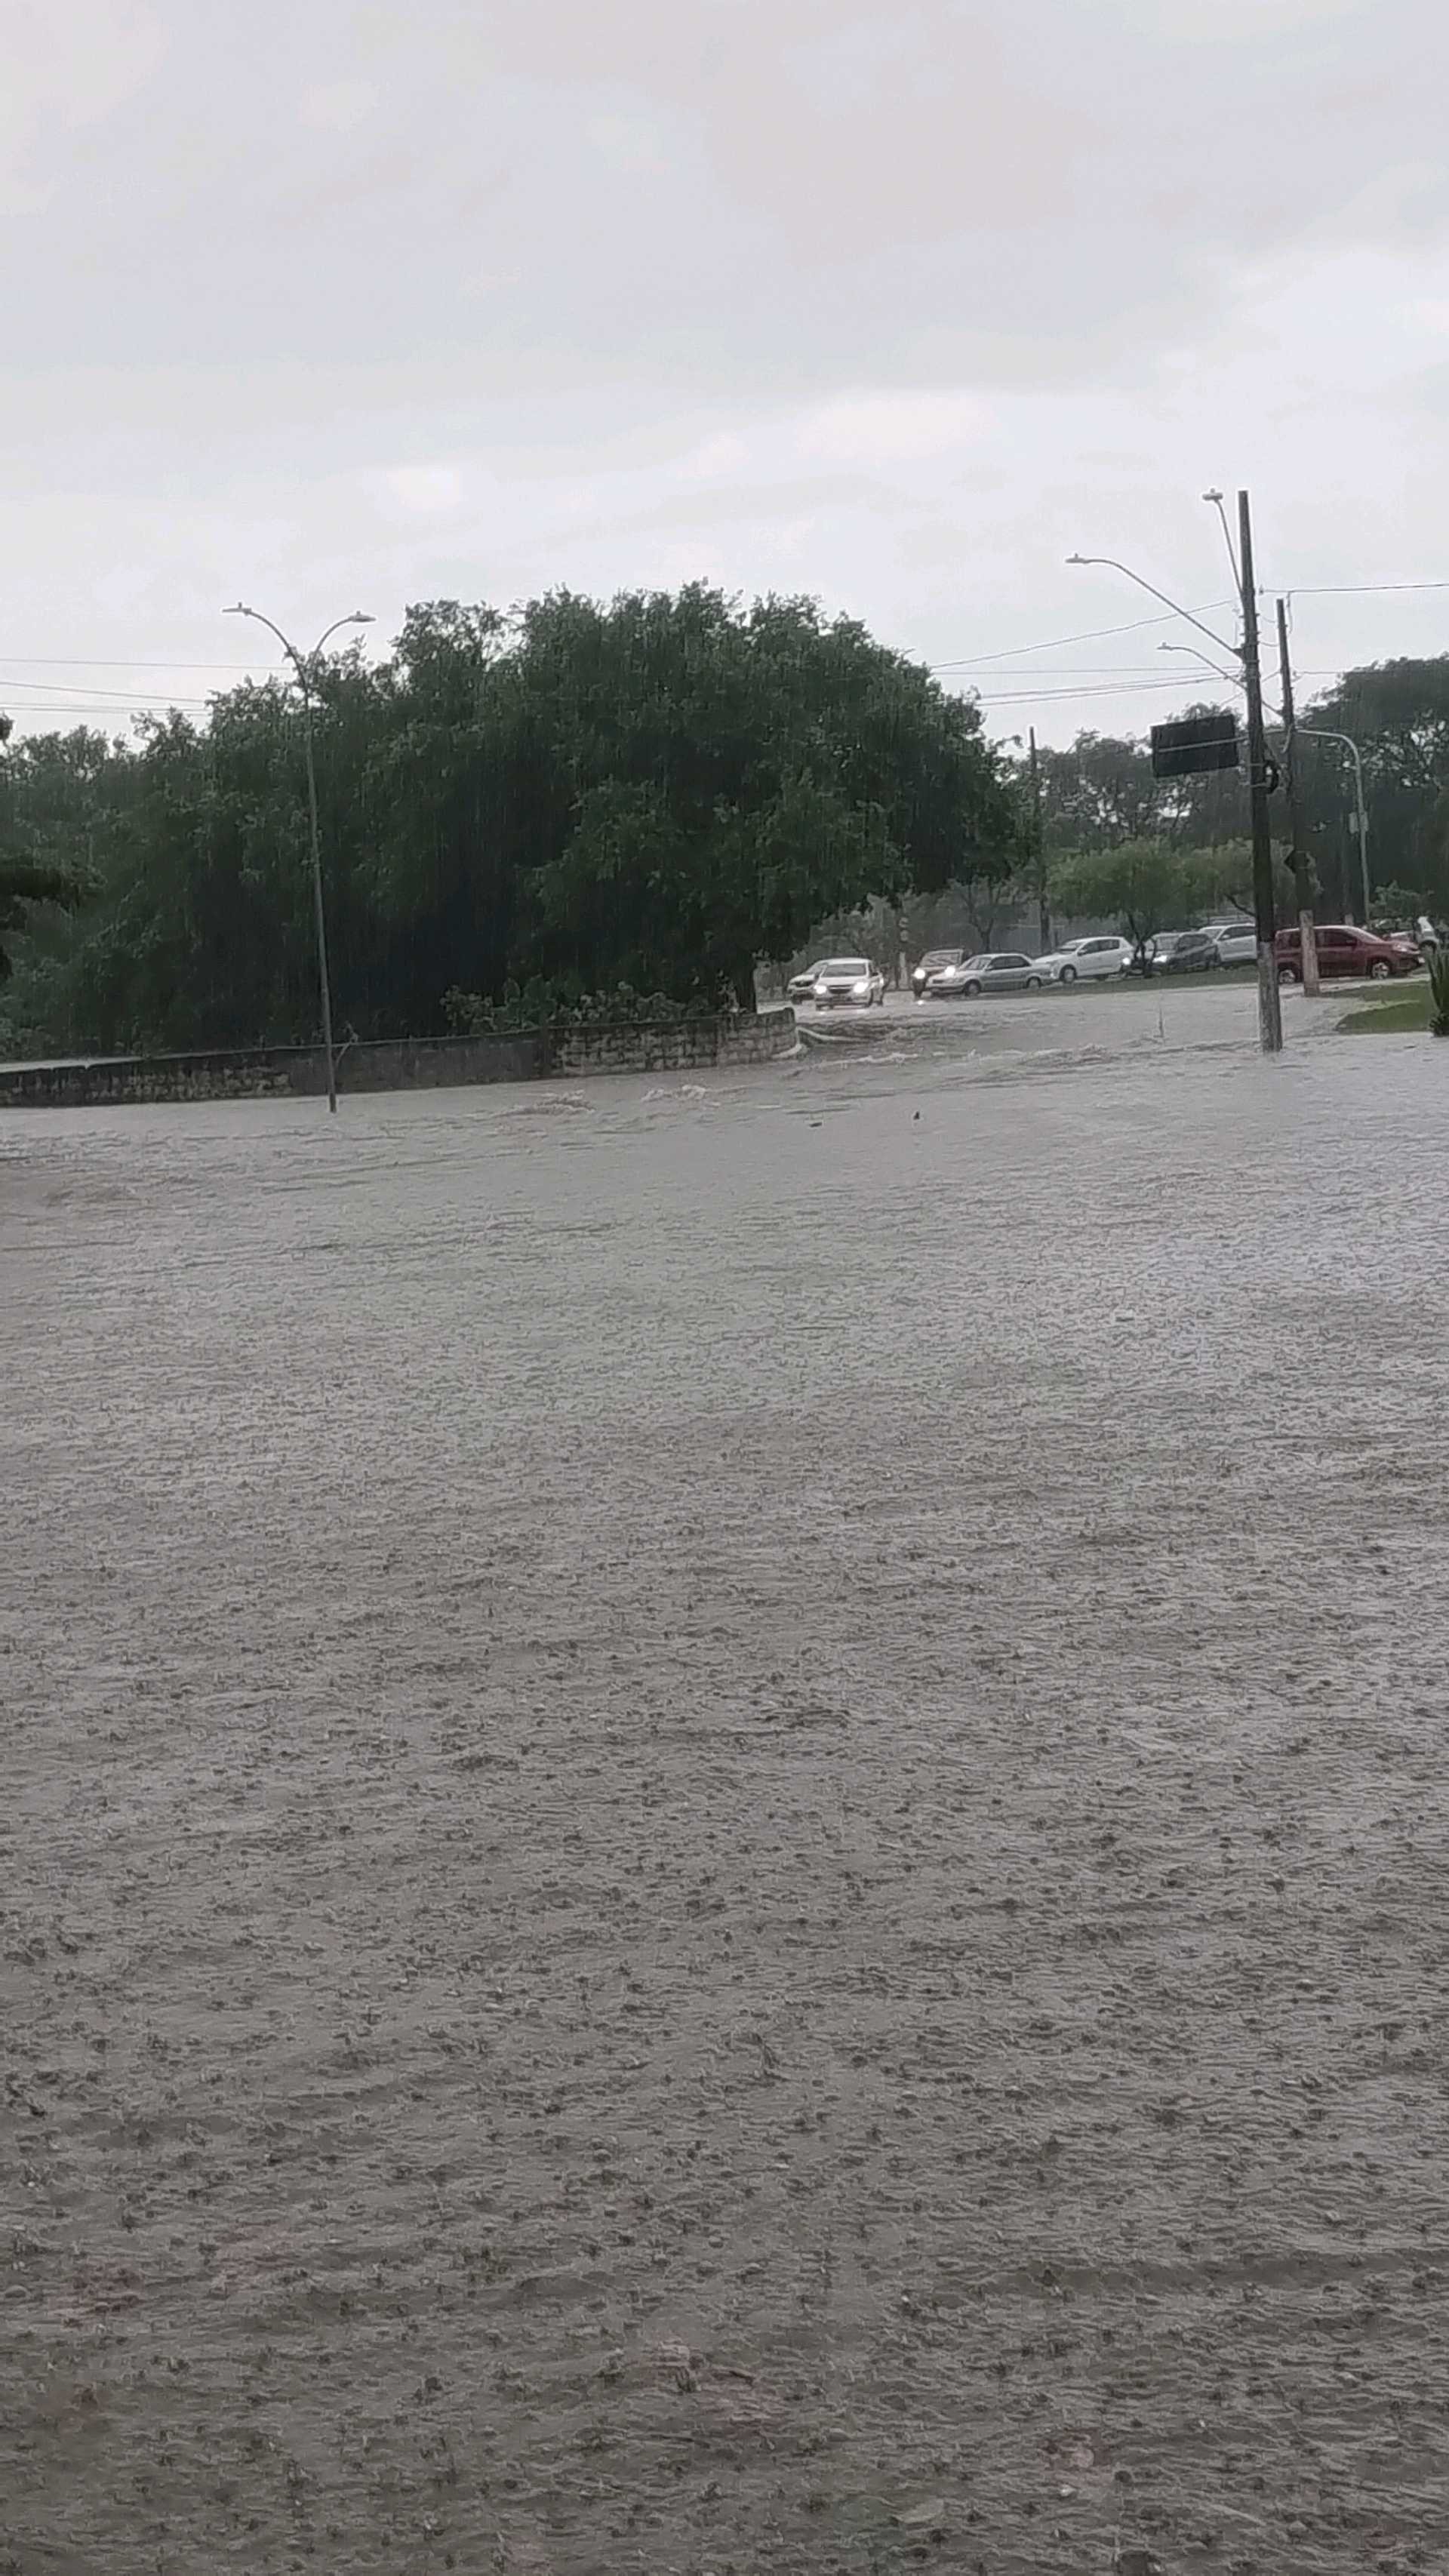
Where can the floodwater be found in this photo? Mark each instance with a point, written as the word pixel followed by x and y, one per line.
pixel 724 1842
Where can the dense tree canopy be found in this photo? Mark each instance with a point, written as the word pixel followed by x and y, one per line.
pixel 662 791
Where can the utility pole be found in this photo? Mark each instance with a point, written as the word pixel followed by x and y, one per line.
pixel 1044 916
pixel 303 666
pixel 1270 1003
pixel 1302 881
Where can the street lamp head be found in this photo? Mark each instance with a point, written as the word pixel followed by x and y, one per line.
pixel 1079 559
pixel 360 617
pixel 1212 496
pixel 239 611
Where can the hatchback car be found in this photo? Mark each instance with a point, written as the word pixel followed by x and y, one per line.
pixel 1343 950
pixel 848 979
pixel 1084 960
pixel 1001 971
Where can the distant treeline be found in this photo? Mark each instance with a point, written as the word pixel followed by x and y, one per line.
pixel 662 793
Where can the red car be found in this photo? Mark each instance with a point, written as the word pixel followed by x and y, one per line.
pixel 1342 950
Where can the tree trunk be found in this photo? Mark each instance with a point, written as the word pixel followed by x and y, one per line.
pixel 742 977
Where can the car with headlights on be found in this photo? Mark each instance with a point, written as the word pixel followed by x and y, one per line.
pixel 1193 952
pixel 994 971
pixel 802 986
pixel 935 962
pixel 843 980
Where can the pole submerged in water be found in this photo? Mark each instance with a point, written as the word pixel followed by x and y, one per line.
pixel 1270 1000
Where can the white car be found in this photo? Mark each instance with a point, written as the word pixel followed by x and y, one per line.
pixel 1084 961
pixel 995 971
pixel 1237 945
pixel 848 979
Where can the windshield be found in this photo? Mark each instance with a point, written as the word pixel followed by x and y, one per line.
pixel 980 961
pixel 844 966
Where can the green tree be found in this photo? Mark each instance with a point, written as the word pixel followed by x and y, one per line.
pixel 42 859
pixel 1398 713
pixel 659 793
pixel 1139 884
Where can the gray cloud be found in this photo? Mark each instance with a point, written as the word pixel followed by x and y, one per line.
pixel 461 297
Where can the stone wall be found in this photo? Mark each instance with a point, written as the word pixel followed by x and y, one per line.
pixel 403 1064
pixel 670 1046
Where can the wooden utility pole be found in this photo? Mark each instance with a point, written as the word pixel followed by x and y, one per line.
pixel 1270 1001
pixel 1298 856
pixel 1044 917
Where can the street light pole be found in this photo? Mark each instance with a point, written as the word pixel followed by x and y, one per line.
pixel 1315 733
pixel 1297 855
pixel 357 617
pixel 1270 1001
pixel 1270 1008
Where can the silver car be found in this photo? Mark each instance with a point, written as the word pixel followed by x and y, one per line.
pixel 1237 945
pixel 1086 961
pixel 848 979
pixel 997 971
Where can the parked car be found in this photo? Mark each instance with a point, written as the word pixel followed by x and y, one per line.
pixel 1411 948
pixel 848 979
pixel 935 962
pixel 1237 945
pixel 1159 949
pixel 801 987
pixel 1193 952
pixel 1084 960
pixel 1001 971
pixel 1344 950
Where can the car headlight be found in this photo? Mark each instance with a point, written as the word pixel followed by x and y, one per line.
pixel 860 991
pixel 822 992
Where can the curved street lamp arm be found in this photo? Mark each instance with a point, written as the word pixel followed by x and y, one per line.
pixel 351 619
pixel 1176 607
pixel 1234 678
pixel 288 647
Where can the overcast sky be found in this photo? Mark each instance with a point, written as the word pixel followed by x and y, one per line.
pixel 329 305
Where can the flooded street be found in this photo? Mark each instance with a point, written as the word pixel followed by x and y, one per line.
pixel 724 1841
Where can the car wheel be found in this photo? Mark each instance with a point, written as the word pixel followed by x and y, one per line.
pixel 1068 975
pixel 1033 983
pixel 973 987
pixel 1380 971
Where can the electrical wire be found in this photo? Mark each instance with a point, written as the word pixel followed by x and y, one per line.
pixel 1089 635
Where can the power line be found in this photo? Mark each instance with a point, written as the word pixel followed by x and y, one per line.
pixel 107 697
pixel 95 662
pixel 1345 589
pixel 1089 635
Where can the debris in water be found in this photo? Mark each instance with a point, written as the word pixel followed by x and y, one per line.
pixel 923 2517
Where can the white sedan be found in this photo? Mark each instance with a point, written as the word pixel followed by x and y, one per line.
pixel 1084 961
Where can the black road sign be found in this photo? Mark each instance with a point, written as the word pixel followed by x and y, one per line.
pixel 1198 743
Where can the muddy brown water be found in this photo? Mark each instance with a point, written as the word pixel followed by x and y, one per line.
pixel 724 1841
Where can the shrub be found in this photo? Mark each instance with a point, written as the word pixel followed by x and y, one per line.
pixel 1439 992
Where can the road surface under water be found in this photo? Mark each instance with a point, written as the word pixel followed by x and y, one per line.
pixel 724 1841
